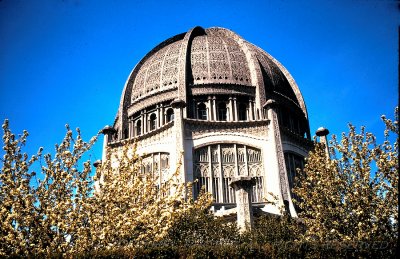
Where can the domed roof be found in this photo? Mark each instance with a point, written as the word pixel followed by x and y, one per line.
pixel 206 57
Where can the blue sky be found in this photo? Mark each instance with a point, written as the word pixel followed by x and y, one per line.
pixel 67 61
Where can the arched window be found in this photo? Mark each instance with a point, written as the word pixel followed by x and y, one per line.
pixel 170 115
pixel 156 165
pixel 292 121
pixel 293 161
pixel 242 112
pixel 153 121
pixel 202 111
pixel 215 165
pixel 222 111
pixel 138 128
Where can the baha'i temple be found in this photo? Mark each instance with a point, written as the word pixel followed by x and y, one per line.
pixel 227 106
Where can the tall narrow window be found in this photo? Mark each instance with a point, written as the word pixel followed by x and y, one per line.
pixel 215 165
pixel 153 121
pixel 242 113
pixel 293 162
pixel 138 128
pixel 170 115
pixel 156 165
pixel 222 111
pixel 202 111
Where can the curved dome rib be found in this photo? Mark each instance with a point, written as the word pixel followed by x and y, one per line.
pixel 289 78
pixel 213 56
pixel 126 92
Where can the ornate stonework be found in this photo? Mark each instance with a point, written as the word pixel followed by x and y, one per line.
pixel 203 98
pixel 222 89
pixel 197 128
pixel 281 162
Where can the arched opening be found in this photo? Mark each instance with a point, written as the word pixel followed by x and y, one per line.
pixel 138 128
pixel 215 165
pixel 293 121
pixel 170 115
pixel 222 111
pixel 156 165
pixel 202 111
pixel 153 121
pixel 242 112
pixel 293 162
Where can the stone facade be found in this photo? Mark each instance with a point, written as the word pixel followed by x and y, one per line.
pixel 225 108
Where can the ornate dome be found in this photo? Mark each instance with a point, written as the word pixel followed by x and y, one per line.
pixel 215 107
pixel 216 60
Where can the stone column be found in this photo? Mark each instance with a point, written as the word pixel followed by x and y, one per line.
pixel 158 124
pixel 236 161
pixel 251 110
pixel 107 131
pixel 322 133
pixel 276 140
pixel 210 109
pixel 214 109
pixel 235 109
pixel 179 131
pixel 162 115
pixel 144 122
pixel 131 128
pixel 231 118
pixel 211 175
pixel 243 187
pixel 221 177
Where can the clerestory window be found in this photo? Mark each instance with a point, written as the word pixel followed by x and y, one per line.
pixel 202 111
pixel 242 112
pixel 153 121
pixel 170 115
pixel 222 111
pixel 138 128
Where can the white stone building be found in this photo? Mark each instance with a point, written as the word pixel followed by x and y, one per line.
pixel 227 106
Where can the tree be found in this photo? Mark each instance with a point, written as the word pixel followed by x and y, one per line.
pixel 45 214
pixel 60 214
pixel 353 195
pixel 134 208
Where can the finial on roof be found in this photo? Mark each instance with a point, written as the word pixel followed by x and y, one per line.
pixel 321 131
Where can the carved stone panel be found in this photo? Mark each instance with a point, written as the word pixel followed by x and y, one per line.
pixel 198 128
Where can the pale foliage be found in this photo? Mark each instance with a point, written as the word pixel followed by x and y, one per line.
pixel 353 195
pixel 61 214
pixel 42 216
pixel 144 207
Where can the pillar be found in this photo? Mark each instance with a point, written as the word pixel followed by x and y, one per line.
pixel 179 131
pixel 251 110
pixel 210 116
pixel 162 115
pixel 214 109
pixel 243 187
pixel 276 143
pixel 143 119
pixel 231 118
pixel 158 124
pixel 322 133
pixel 106 131
pixel 235 109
